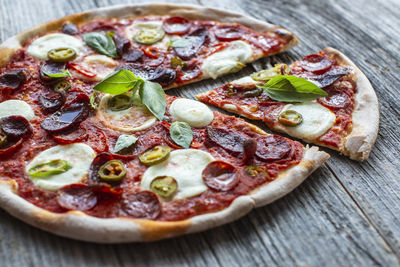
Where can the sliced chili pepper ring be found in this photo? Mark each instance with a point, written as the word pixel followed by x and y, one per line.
pixel 112 171
pixel 290 118
pixel 164 186
pixel 61 54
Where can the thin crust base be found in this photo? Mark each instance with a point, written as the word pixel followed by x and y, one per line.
pixel 78 225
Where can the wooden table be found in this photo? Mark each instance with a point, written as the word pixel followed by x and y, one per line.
pixel 346 214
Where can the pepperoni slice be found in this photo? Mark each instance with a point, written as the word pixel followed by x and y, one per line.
pixel 15 126
pixel 230 141
pixel 328 77
pixel 335 101
pixel 10 147
pixel 272 148
pixel 76 136
pixel 97 139
pixel 122 44
pixel 196 39
pixel 52 103
pixel 80 69
pixel 76 197
pixel 176 25
pixel 189 74
pixel 13 79
pixel 70 28
pixel 220 176
pixel 228 32
pixel 141 205
pixel 249 149
pixel 316 63
pixel 50 67
pixel 161 75
pixel 133 55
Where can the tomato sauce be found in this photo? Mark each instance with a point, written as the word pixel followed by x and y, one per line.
pixel 93 133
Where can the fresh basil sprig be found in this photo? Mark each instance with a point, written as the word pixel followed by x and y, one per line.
pixel 104 44
pixel 181 133
pixel 124 142
pixel 288 88
pixel 62 74
pixel 151 94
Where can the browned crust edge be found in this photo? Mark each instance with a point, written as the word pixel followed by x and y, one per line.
pixel 8 47
pixel 359 142
pixel 78 225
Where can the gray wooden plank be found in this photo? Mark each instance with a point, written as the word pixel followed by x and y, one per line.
pixel 317 224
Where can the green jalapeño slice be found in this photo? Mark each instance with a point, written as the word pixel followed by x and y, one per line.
pixel 268 74
pixel 290 118
pixel 164 186
pixel 149 34
pixel 62 86
pixel 112 171
pixel 56 166
pixel 255 171
pixel 155 155
pixel 61 54
pixel 120 102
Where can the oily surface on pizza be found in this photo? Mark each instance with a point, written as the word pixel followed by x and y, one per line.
pixel 86 127
pixel 326 121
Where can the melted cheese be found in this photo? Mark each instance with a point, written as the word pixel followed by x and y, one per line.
pixel 41 46
pixel 133 119
pixel 99 64
pixel 247 80
pixel 186 166
pixel 195 113
pixel 16 107
pixel 78 155
pixel 230 59
pixel 317 119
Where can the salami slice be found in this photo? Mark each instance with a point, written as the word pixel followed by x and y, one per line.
pixel 141 205
pixel 176 25
pixel 230 141
pixel 76 197
pixel 220 176
pixel 316 63
pixel 272 148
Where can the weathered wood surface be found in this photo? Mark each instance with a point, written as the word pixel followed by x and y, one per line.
pixel 345 214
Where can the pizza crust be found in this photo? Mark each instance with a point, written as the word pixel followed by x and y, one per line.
pixel 359 142
pixel 78 225
pixel 12 44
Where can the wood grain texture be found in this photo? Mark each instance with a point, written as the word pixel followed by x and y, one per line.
pixel 345 214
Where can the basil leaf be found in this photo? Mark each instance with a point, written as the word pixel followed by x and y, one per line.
pixel 62 74
pixel 288 88
pixel 153 96
pixel 179 42
pixel 181 133
pixel 104 44
pixel 118 82
pixel 124 142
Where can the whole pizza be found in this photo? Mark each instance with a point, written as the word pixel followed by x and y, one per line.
pixel 92 148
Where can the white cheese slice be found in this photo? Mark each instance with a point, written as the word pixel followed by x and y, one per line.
pixel 99 64
pixel 317 119
pixel 78 155
pixel 230 59
pixel 195 113
pixel 186 166
pixel 16 107
pixel 41 46
pixel 133 119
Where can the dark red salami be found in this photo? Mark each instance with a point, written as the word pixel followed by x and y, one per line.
pixel 220 176
pixel 141 205
pixel 76 197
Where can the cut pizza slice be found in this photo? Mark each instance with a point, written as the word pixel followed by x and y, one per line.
pixel 343 115
pixel 173 45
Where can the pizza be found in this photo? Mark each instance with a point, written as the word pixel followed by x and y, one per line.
pixel 343 116
pixel 185 46
pixel 91 148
